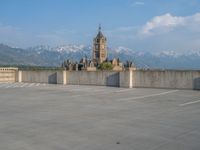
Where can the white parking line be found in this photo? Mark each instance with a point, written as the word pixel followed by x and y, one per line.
pixel 84 89
pixel 20 84
pixel 80 89
pixel 97 92
pixel 146 96
pixel 101 92
pixel 3 84
pixel 189 103
pixel 30 85
pixel 24 84
pixel 123 90
pixel 16 85
pixel 11 85
pixel 37 84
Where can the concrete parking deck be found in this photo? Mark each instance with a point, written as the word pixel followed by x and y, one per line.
pixel 37 116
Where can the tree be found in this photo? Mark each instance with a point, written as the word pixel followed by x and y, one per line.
pixel 106 66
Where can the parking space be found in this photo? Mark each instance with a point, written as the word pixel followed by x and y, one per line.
pixel 48 117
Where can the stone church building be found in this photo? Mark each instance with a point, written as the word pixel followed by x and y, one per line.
pixel 99 56
pixel 99 48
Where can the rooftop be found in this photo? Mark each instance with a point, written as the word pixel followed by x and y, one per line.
pixel 48 117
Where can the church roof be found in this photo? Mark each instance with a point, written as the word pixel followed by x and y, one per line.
pixel 100 34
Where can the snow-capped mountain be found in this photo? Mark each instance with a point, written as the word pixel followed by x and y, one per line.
pixel 167 54
pixel 63 48
pixel 54 56
pixel 70 48
pixel 40 48
pixel 122 49
pixel 194 53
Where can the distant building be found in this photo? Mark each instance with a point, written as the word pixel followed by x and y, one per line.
pixel 99 48
pixel 99 56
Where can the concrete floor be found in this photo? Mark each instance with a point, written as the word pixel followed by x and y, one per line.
pixel 56 117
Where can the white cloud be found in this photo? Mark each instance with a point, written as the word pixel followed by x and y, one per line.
pixel 126 28
pixel 7 29
pixel 168 22
pixel 168 32
pixel 138 3
pixel 121 34
pixel 11 35
pixel 122 30
pixel 15 36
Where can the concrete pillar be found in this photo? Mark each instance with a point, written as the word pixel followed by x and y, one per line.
pixel 64 77
pixel 19 76
pixel 125 78
pixel 61 77
pixel 130 78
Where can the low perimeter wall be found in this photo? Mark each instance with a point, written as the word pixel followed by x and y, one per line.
pixel 106 78
pixel 174 79
pixel 42 76
pixel 8 74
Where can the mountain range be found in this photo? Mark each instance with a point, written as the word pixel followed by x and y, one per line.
pixel 54 56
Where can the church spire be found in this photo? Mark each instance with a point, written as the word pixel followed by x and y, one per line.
pixel 99 27
pixel 100 34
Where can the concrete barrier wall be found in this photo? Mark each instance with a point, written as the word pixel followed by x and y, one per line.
pixel 174 79
pixel 42 76
pixel 106 78
pixel 8 74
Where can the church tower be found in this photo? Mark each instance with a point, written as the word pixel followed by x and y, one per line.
pixel 99 48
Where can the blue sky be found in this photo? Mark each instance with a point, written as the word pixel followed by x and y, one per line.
pixel 142 25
